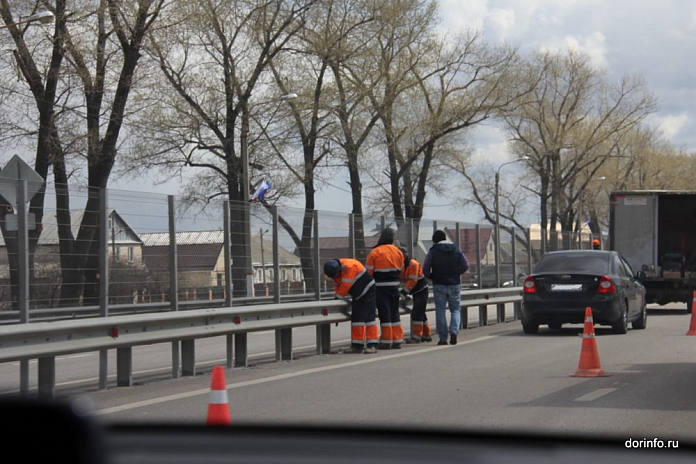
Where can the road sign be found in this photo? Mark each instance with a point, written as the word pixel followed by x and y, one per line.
pixel 12 222
pixel 16 169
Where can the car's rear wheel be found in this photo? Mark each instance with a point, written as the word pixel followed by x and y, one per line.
pixel 642 320
pixel 530 328
pixel 621 326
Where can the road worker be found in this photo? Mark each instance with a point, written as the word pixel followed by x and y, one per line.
pixel 416 285
pixel 385 263
pixel 351 278
pixel 596 245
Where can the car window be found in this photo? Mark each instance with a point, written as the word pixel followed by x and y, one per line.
pixel 490 270
pixel 581 263
pixel 627 267
pixel 620 269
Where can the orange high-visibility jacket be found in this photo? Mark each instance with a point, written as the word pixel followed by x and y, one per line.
pixel 353 279
pixel 413 278
pixel 385 263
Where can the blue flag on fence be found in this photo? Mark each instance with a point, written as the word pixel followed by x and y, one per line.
pixel 261 191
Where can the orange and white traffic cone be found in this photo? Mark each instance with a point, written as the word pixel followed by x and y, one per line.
pixel 589 365
pixel 218 407
pixel 692 328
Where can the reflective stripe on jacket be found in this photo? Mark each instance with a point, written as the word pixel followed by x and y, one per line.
pixel 413 278
pixel 353 279
pixel 385 263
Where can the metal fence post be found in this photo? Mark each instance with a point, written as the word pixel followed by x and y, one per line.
pixel 513 234
pixel 23 291
pixel 188 358
pixel 530 251
pixel 174 280
pixel 47 377
pixel 227 258
pixel 323 333
pixel 227 252
pixel 283 338
pixel 317 262
pixel 457 241
pixel 351 235
pixel 103 280
pixel 124 366
pixel 276 256
pixel 409 231
pixel 478 256
pixel 515 312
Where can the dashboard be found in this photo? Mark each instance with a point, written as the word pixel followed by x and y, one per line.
pixel 60 433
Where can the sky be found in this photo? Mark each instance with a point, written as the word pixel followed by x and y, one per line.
pixel 653 39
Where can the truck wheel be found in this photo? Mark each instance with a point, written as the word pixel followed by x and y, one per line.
pixel 621 327
pixel 530 328
pixel 642 320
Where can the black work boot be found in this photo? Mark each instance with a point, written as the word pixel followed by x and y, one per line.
pixel 453 339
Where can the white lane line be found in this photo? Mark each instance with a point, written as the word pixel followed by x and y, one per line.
pixel 168 369
pixel 368 360
pixel 595 394
pixel 58 358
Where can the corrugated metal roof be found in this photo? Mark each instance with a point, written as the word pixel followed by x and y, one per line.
pixel 184 238
pixel 216 237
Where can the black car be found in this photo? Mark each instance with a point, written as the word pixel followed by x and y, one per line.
pixel 564 283
pixel 506 280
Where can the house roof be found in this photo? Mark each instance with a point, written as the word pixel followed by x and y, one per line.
pixel 184 238
pixel 467 241
pixel 190 257
pixel 49 233
pixel 328 243
pixel 199 250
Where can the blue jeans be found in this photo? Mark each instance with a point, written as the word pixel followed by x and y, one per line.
pixel 444 295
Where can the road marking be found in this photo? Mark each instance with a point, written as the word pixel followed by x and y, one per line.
pixel 58 358
pixel 213 362
pixel 595 394
pixel 368 360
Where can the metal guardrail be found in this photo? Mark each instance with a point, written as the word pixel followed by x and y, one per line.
pixel 46 340
pixel 79 312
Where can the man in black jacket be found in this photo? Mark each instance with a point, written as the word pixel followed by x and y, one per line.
pixel 443 265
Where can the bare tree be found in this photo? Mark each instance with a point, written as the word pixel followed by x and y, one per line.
pixel 306 70
pixel 42 88
pixel 570 125
pixel 214 56
pixel 100 44
pixel 462 87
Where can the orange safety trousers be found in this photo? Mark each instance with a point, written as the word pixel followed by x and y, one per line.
pixel 389 318
pixel 363 326
pixel 420 330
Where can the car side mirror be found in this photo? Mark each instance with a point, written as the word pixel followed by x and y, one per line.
pixel 640 275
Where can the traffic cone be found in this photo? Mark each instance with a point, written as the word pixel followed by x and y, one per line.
pixel 589 365
pixel 218 407
pixel 692 328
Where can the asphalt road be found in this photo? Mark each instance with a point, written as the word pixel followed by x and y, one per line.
pixel 78 373
pixel 496 378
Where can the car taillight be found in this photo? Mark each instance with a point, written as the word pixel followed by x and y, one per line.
pixel 606 285
pixel 530 285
